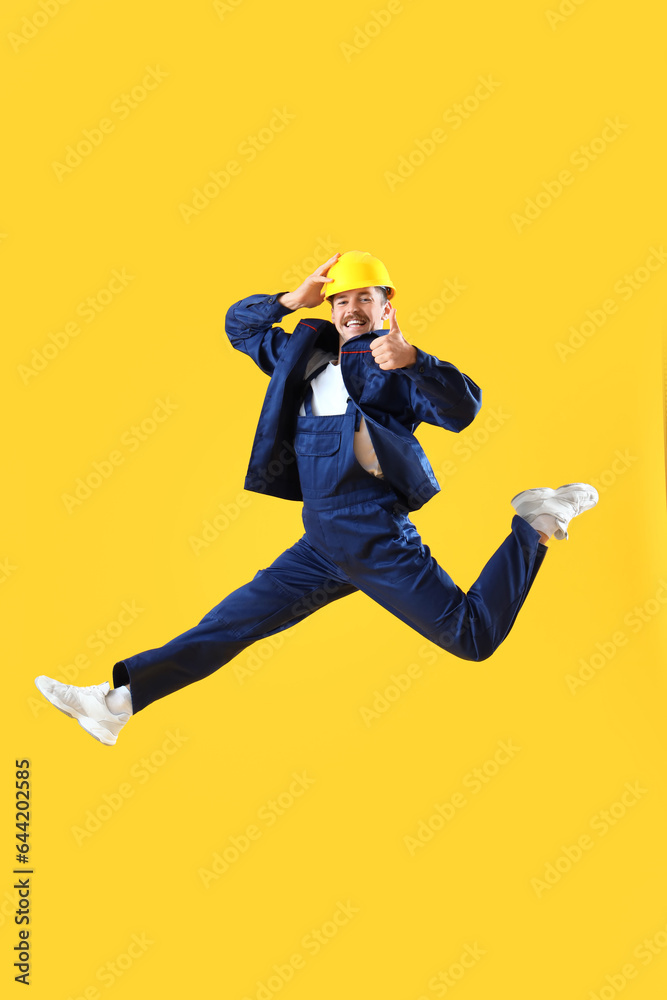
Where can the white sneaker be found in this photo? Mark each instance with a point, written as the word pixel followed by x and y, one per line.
pixel 85 704
pixel 563 504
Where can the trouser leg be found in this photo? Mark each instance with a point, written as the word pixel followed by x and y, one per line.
pixel 300 581
pixel 398 571
pixel 500 590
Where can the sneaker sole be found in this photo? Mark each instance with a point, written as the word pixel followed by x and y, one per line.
pixel 85 719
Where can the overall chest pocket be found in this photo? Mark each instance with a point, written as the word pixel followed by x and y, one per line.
pixel 317 461
pixel 316 443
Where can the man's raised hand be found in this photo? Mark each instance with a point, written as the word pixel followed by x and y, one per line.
pixel 392 350
pixel 310 292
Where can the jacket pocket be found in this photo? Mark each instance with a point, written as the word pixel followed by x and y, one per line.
pixel 315 443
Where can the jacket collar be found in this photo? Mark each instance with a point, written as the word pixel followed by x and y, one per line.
pixel 323 337
pixel 361 343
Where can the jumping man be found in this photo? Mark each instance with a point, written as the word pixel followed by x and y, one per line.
pixel 336 431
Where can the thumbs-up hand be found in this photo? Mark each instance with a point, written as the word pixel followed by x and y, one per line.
pixel 392 350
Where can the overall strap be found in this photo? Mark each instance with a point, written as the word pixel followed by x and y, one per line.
pixel 312 371
pixel 351 408
pixel 307 401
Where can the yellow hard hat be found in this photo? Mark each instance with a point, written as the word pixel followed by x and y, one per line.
pixel 357 269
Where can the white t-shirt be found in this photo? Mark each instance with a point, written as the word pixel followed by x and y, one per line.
pixel 330 398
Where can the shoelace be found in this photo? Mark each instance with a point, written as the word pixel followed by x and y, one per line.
pixel 90 688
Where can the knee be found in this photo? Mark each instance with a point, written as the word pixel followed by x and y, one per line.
pixel 483 654
pixel 483 645
pixel 467 645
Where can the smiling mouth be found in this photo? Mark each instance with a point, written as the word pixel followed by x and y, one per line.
pixel 355 323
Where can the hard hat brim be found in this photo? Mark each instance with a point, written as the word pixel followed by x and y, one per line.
pixel 391 291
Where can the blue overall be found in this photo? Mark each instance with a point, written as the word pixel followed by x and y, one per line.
pixel 357 537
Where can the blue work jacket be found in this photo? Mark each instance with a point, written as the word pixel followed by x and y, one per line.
pixel 393 402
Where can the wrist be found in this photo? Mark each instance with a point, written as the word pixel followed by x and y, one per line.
pixel 421 366
pixel 291 301
pixel 412 357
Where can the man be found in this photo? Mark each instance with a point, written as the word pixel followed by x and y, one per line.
pixel 336 431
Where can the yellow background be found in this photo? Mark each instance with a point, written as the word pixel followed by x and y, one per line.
pixel 360 99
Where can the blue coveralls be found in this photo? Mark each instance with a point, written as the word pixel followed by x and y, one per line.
pixel 357 537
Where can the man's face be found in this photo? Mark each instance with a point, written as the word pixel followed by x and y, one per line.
pixel 358 311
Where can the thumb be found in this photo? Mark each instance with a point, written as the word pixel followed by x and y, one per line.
pixel 393 322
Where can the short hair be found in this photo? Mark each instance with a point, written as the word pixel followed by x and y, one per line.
pixel 381 289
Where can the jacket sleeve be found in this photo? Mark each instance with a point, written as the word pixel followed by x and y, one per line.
pixel 249 324
pixel 442 395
